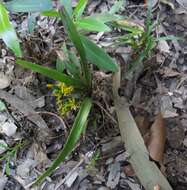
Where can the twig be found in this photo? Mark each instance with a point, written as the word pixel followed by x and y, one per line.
pixel 55 115
pixel 70 173
pixel 107 113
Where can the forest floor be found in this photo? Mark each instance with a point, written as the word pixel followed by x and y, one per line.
pixel 99 161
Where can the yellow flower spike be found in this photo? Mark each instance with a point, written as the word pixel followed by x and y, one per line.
pixel 72 104
pixel 63 105
pixel 64 89
pixel 50 85
pixel 68 90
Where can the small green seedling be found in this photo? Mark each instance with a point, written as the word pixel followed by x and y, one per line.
pixel 10 154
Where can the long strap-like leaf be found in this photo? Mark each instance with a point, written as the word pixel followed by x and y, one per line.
pixel 51 73
pixel 7 32
pixel 75 38
pixel 74 136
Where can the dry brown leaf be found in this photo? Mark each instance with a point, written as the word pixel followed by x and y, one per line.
pixel 128 170
pixel 156 187
pixel 169 72
pixel 142 123
pixel 157 139
pixel 154 140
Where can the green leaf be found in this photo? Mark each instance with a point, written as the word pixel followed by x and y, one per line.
pixel 68 6
pixel 29 5
pixel 75 133
pixel 51 73
pixel 3 146
pixel 7 167
pixel 31 23
pixel 69 61
pixel 98 56
pixel 92 24
pixel 75 38
pixel 74 59
pixel 51 13
pixel 79 9
pixel 7 32
pixel 60 65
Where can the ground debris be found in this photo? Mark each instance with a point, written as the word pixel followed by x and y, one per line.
pixel 114 175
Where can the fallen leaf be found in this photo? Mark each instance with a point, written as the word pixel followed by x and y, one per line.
pixel 4 81
pixel 167 107
pixel 8 128
pixel 35 152
pixel 2 106
pixel 113 146
pixel 25 167
pixel 3 181
pixel 27 110
pixel 156 187
pixel 69 182
pixel 128 170
pixel 114 175
pixel 169 72
pixel 142 123
pixel 163 46
pixel 183 3
pixel 156 143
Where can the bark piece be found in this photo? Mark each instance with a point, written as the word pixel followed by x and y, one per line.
pixel 146 170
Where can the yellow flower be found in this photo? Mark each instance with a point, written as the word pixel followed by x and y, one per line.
pixel 68 105
pixel 72 103
pixel 50 85
pixel 65 89
pixel 64 103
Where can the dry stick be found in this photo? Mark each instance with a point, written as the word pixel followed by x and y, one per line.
pixel 146 170
pixel 69 174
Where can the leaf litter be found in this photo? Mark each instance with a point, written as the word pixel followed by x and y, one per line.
pixel 171 98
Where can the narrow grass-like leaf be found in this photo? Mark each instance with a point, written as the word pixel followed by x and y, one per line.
pixel 60 65
pixel 51 13
pixel 79 9
pixel 7 166
pixel 68 6
pixel 7 32
pixel 51 73
pixel 29 5
pixel 98 56
pixel 75 133
pixel 75 38
pixel 92 24
pixel 31 23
